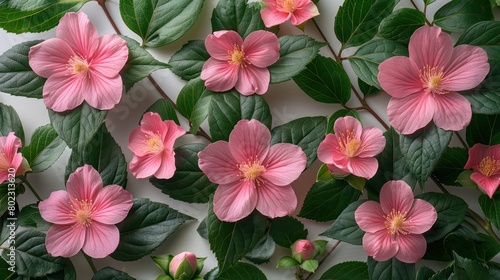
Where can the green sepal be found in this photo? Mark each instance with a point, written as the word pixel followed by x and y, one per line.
pixel 310 265
pixel 287 262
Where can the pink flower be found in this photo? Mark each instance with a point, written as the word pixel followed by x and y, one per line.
pixel 395 226
pixel 240 64
pixel 252 174
pixel 10 159
pixel 79 65
pixel 485 162
pixel 352 148
pixel 423 86
pixel 279 11
pixel 183 264
pixel 153 146
pixel 85 215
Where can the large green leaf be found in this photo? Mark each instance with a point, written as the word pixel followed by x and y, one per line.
pixel 6 270
pixel 450 166
pixel 484 129
pixel 491 208
pixel 345 227
pixel 193 103
pixel 160 22
pixel 351 270
pixel 44 149
pixel 237 15
pixel 16 75
pixel 146 227
pixel 10 122
pixel 286 230
pixel 400 25
pixel 239 271
pixel 30 217
pixel 263 251
pixel 391 269
pixel 109 273
pixel 357 21
pixel 485 34
pixel 188 61
pixel 466 269
pixel 458 15
pixel 424 273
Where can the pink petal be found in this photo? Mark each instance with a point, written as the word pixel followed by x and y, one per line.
pixel 372 142
pixel 101 240
pixel 284 164
pixel 62 92
pixel 380 245
pixel 64 240
pixel 167 167
pixel 103 93
pixel 111 205
pixel 328 149
pixel 411 247
pixel 219 43
pixel 396 195
pixel 110 56
pixel 152 123
pixel 219 75
pixel 249 140
pixel 303 14
pixel 9 145
pixel 275 201
pixel 80 34
pixel 137 142
pixel 362 167
pixel 335 170
pixel 348 124
pixel 273 17
pixel 431 47
pixel 217 162
pixel 452 111
pixel 421 217
pixel 467 68
pixel 493 151
pixel 488 184
pixel 261 48
pixel 370 217
pixel 411 113
pixel 252 80
pixel 173 131
pixel 399 76
pixel 84 184
pixel 50 57
pixel 476 155
pixel 56 208
pixel 235 201
pixel 145 166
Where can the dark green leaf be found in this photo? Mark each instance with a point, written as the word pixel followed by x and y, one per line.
pixel 8 192
pixel 239 271
pixel 16 75
pixel 44 149
pixel 458 15
pixel 263 251
pixel 146 227
pixel 424 273
pixel 400 25
pixel 367 89
pixel 6 270
pixel 469 269
pixel 8 225
pixel 193 102
pixel 485 34
pixel 30 217
pixel 351 270
pixel 491 208
pixel 484 129
pixel 391 269
pixel 338 114
pixel 188 61
pixel 345 227
pixel 160 22
pixel 286 230
pixel 443 274
pixel 450 166
pixel 237 15
pixel 165 109
pixel 10 122
pixel 109 273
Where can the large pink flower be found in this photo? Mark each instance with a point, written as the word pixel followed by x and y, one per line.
pixel 240 64
pixel 297 11
pixel 395 226
pixel 10 159
pixel 84 216
pixel 79 65
pixel 252 174
pixel 352 148
pixel 485 162
pixel 153 146
pixel 423 86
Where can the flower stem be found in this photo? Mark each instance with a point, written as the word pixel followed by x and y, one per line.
pixel 91 262
pixel 461 140
pixel 425 10
pixel 299 274
pixel 28 184
pixel 325 257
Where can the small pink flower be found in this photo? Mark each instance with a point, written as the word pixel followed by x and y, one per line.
pixel 9 157
pixel 183 263
pixel 394 227
pixel 153 146
pixel 279 11
pixel 84 216
pixel 423 86
pixel 485 162
pixel 240 64
pixel 79 65
pixel 302 250
pixel 352 148
pixel 252 174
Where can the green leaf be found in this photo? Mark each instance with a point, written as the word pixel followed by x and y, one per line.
pixel 189 183
pixel 165 109
pixel 193 102
pixel 163 261
pixel 237 15
pixel 351 270
pixel 287 262
pixel 325 80
pixel 368 57
pixel 424 273
pixel 423 149
pixel 146 227
pixel 357 21
pixel 6 195
pixel 6 270
pixel 458 15
pixel 366 89
pixel 10 122
pixel 485 34
pixel 450 166
pixel 345 228
pixel 307 133
pixel 37 20
pixel 390 269
pixel 491 208
pixel 451 212
pixel 400 25
pixel 286 230
pixel 326 200
pixel 160 22
pixel 465 181
pixel 263 251
pixel 227 109
pixel 16 75
pixel 469 269
pixel 485 98
pixel 231 241
pixel 105 155
pixel 309 265
pixel 77 127
pixel 44 149
pixel 470 245
pixel 484 129
pixel 239 271
pixel 109 273
pixel 140 63
pixel 296 52
pixel 338 114
pixel 30 217
pixel 188 61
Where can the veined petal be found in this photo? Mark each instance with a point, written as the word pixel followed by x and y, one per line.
pixel 421 217
pixel 337 170
pixel 152 123
pixel 275 201
pixel 430 47
pixel 302 14
pixel 249 140
pixel 145 166
pixel 167 167
pixel 273 17
pixel 111 205
pixel 380 245
pixel 217 162
pixel 84 183
pixel 370 217
pixel 219 75
pixel 411 113
pixel 101 240
pixel 235 201
pixel 9 145
pixel 80 34
pixel 252 80
pixel 56 208
pixel 62 92
pixel 137 142
pixel 50 57
pixel 476 154
pixel 103 93
pixel 221 42
pixel 173 131
pixel 467 68
pixel 399 76
pixel 362 167
pixel 452 111
pixel 284 164
pixel 348 124
pixel 372 142
pixel 396 195
pixel 110 56
pixel 261 48
pixel 328 148
pixel 488 184
pixel 493 151
pixel 64 240
pixel 411 247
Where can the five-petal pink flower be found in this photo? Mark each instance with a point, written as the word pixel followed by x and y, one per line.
pixel 485 162
pixel 84 216
pixel 153 146
pixel 297 11
pixel 10 159
pixel 423 86
pixel 252 174
pixel 351 149
pixel 394 227
pixel 240 64
pixel 79 65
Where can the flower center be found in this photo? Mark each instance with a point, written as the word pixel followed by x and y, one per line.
pixel 287 6
pixel 81 212
pixel 78 65
pixel 154 144
pixel 395 222
pixel 489 166
pixel 252 171
pixel 432 79
pixel 237 56
pixel 348 143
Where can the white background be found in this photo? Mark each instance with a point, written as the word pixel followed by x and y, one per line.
pixel 286 100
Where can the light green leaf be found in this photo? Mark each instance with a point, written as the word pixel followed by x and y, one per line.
pixel 287 262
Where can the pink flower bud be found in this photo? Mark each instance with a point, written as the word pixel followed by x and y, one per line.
pixel 302 250
pixel 183 263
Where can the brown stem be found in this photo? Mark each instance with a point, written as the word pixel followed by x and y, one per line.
pixel 102 3
pixel 425 10
pixel 461 140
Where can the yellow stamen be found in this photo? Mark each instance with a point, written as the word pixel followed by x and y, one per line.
pixel 287 6
pixel 154 144
pixel 251 170
pixel 432 79
pixel 395 222
pixel 81 212
pixel 78 65
pixel 489 166
pixel 348 143
pixel 237 56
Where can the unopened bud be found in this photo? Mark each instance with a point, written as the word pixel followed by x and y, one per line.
pixel 183 266
pixel 302 250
